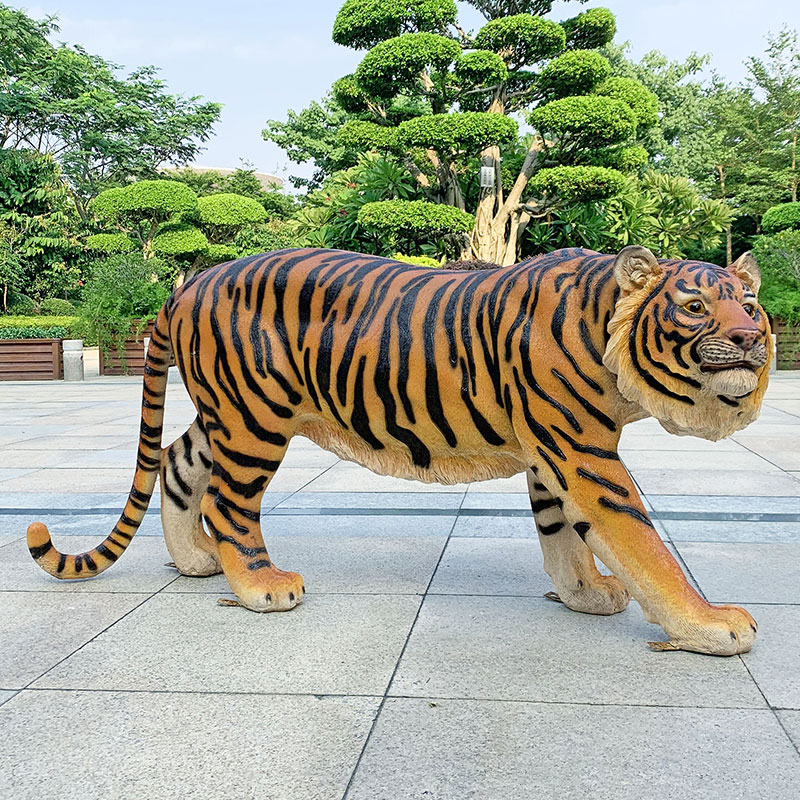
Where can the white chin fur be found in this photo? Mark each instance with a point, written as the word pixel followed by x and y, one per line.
pixel 731 382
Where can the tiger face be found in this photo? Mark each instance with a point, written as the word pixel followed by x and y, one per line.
pixel 689 342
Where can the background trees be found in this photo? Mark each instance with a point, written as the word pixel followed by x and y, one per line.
pixel 103 129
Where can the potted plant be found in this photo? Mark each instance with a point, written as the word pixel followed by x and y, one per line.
pixel 121 299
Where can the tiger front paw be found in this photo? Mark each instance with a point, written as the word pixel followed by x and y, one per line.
pixel 717 630
pixel 269 589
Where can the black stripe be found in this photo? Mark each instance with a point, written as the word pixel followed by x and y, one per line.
pixel 630 510
pixel 607 484
pixel 581 528
pixel 589 449
pixel 592 410
pixel 38 552
pixel 549 530
pixel 545 503
pixel 108 553
pixel 556 471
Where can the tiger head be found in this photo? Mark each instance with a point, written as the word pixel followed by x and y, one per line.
pixel 689 342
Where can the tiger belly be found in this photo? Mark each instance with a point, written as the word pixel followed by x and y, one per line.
pixel 447 466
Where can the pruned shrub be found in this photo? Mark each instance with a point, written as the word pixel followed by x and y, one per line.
pixel 578 183
pixel 783 217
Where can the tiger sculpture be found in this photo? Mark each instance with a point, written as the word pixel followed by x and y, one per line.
pixel 448 376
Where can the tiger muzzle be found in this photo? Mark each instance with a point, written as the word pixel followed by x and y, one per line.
pixel 722 354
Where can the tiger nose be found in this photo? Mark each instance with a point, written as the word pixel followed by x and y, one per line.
pixel 744 337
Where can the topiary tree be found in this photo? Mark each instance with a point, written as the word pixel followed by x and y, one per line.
pixel 783 217
pixel 409 222
pixel 439 99
pixel 140 209
pixel 222 216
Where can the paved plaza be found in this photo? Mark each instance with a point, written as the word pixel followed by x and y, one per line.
pixel 425 662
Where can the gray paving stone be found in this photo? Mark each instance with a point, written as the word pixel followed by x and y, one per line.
pixel 636 460
pixel 7 538
pixel 492 567
pixel 515 484
pixel 721 505
pixel 166 746
pixel 38 629
pixel 745 572
pixel 344 564
pixel 97 526
pixel 635 441
pixel 791 722
pixel 292 479
pixel 530 649
pixel 774 658
pixel 91 480
pixel 496 500
pixel 404 500
pixel 71 442
pixel 5 696
pixel 466 749
pixel 717 482
pixel 332 526
pixel 332 644
pixel 70 496
pixel 496 527
pixel 732 531
pixel 140 569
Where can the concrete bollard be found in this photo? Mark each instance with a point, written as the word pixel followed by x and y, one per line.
pixel 773 367
pixel 73 359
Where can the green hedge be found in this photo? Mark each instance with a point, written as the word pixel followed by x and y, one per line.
pixel 15 327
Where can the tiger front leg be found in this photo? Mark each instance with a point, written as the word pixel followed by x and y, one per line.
pixel 601 503
pixel 231 509
pixel 569 562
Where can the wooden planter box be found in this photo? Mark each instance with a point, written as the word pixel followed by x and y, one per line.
pixel 134 356
pixel 31 360
pixel 788 344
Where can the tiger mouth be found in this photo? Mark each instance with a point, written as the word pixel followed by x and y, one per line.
pixel 729 365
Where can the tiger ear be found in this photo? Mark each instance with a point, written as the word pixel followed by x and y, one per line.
pixel 746 269
pixel 634 266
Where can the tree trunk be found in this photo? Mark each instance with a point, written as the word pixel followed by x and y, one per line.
pixel 487 242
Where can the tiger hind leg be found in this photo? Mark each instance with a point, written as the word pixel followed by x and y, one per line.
pixel 569 562
pixel 185 472
pixel 231 508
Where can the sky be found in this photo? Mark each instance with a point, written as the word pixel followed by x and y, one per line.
pixel 260 58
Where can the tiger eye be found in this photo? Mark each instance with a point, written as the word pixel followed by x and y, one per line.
pixel 695 307
pixel 749 308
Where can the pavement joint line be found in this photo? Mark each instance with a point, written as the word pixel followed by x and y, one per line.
pixel 333 511
pixel 100 633
pixel 400 656
pixel 773 710
pixel 445 698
